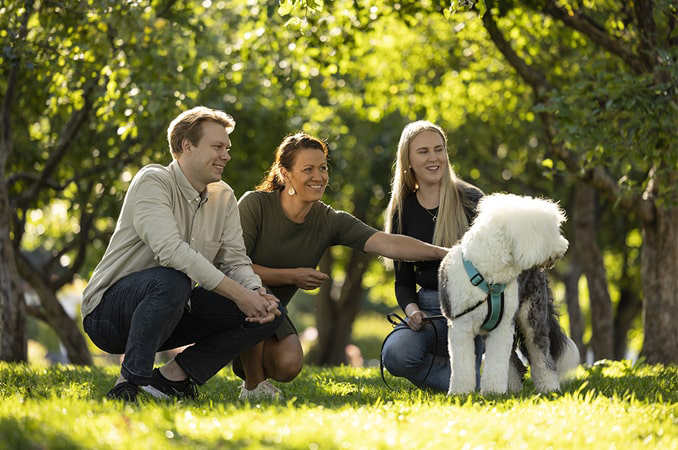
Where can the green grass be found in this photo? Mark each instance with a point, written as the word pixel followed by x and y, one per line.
pixel 611 405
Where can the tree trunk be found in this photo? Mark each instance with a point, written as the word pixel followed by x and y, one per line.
pixel 588 252
pixel 628 309
pixel 55 316
pixel 13 345
pixel 577 324
pixel 660 287
pixel 335 316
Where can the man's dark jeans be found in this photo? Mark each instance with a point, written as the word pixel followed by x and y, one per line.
pixel 149 311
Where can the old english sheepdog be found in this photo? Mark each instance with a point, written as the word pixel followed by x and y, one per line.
pixel 492 284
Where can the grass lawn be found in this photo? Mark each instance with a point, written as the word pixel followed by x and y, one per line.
pixel 609 405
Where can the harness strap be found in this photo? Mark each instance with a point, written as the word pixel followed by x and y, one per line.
pixel 495 296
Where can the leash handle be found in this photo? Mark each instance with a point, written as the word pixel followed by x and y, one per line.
pixel 395 319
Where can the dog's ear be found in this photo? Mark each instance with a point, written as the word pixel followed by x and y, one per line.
pixel 536 233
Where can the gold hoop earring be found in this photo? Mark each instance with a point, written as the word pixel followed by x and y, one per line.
pixel 291 191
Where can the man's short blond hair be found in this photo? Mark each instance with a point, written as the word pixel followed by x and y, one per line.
pixel 188 125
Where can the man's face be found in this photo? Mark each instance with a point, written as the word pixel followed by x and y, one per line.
pixel 204 163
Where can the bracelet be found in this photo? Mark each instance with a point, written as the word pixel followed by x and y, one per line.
pixel 417 311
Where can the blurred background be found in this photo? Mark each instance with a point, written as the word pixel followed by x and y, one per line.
pixel 575 101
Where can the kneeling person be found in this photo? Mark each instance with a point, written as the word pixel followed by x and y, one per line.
pixel 175 271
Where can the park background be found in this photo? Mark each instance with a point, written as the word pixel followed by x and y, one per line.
pixel 571 100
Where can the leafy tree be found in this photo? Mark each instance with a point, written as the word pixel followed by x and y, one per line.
pixel 590 96
pixel 606 97
pixel 87 94
pixel 88 89
pixel 70 108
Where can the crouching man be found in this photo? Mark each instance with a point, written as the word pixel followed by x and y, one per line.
pixel 175 271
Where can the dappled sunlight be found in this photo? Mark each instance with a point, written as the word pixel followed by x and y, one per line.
pixel 338 407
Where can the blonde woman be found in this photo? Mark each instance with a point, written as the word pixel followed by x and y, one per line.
pixel 428 202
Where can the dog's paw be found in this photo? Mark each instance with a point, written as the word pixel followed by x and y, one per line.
pixel 515 383
pixel 458 391
pixel 492 390
pixel 546 387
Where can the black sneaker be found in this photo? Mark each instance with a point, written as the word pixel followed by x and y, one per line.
pixel 124 391
pixel 161 387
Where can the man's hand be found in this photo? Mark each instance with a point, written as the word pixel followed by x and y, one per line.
pixel 309 279
pixel 261 307
pixel 258 305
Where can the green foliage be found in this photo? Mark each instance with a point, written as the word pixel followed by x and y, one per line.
pixel 352 73
pixel 64 407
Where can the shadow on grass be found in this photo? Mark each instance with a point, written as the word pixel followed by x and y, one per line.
pixel 654 383
pixel 31 433
pixel 340 386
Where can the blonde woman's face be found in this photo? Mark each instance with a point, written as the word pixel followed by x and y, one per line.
pixel 428 157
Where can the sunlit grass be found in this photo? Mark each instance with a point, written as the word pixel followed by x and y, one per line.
pixel 610 405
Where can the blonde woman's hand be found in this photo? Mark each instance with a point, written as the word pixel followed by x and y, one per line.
pixel 416 320
pixel 415 315
pixel 309 279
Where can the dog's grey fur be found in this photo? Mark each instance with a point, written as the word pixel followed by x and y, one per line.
pixel 538 334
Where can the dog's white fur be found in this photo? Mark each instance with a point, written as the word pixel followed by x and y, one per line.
pixel 510 234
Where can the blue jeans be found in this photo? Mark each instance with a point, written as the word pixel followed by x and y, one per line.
pixel 422 356
pixel 149 311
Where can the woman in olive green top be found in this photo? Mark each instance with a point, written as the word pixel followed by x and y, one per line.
pixel 286 229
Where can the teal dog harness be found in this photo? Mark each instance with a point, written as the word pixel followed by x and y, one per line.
pixel 495 296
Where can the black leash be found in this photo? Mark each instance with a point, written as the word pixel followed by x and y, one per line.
pixel 396 320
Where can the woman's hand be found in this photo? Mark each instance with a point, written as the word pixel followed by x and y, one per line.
pixel 415 316
pixel 309 279
pixel 416 320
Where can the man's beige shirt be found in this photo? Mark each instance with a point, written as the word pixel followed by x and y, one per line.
pixel 165 222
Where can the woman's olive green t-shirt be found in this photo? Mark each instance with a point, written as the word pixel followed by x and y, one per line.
pixel 273 240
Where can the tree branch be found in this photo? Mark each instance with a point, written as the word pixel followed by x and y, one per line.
pixel 532 76
pixel 584 24
pixel 81 243
pixel 644 11
pixel 77 119
pixel 598 176
pixel 37 312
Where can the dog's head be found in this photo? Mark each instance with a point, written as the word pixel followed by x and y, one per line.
pixel 530 226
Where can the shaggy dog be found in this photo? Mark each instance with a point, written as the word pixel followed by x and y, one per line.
pixel 511 235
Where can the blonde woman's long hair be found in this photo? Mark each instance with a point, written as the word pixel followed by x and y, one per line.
pixel 451 223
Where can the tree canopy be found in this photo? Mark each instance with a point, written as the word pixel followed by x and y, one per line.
pixel 537 96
